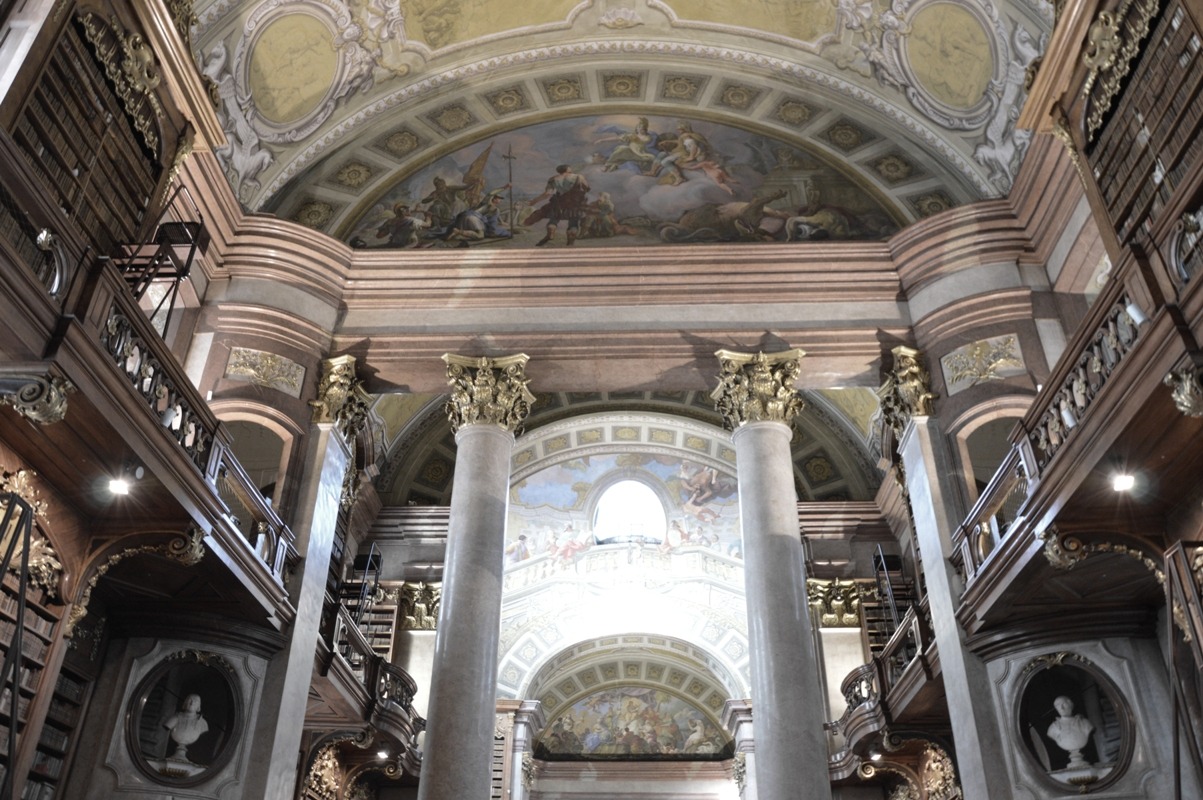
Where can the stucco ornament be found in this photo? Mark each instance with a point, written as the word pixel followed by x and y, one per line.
pixel 488 391
pixel 758 387
pixel 1187 390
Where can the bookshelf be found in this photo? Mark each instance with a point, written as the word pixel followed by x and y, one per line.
pixel 37 634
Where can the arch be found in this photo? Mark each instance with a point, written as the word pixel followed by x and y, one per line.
pixel 977 419
pixel 274 421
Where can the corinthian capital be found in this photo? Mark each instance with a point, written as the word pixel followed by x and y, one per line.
pixel 757 386
pixel 341 398
pixel 488 391
pixel 906 392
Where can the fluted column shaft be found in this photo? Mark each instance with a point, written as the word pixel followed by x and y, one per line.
pixel 489 400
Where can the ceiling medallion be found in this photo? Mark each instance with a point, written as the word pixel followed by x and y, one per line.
pixel 314 214
pixel 846 136
pixel 793 113
pixel 401 143
pixel 931 203
pixel 509 100
pixel 622 85
pixel 353 174
pixel 563 90
pixel 451 118
pixel 893 168
pixel 680 87
pixel 740 98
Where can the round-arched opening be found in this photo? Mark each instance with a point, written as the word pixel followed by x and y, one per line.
pixel 629 511
pixel 260 451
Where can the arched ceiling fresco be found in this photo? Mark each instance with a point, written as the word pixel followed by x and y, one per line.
pixel 876 113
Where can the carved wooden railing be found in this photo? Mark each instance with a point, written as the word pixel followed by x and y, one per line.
pixel 864 715
pixel 995 513
pixel 154 375
pixel 1057 416
pixel 907 647
pixel 1184 582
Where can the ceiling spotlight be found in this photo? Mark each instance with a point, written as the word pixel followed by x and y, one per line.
pixel 874 754
pixel 382 754
pixel 122 484
pixel 1122 482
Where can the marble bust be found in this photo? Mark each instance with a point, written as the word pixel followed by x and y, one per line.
pixel 1071 732
pixel 186 726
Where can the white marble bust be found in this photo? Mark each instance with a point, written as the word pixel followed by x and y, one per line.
pixel 1070 731
pixel 186 726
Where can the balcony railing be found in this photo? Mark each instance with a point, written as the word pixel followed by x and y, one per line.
pixel 1104 342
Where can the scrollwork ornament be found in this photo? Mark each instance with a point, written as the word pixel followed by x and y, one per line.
pixel 42 399
pixel 130 64
pixel 1187 390
pixel 186 548
pixel 758 387
pixel 1062 551
pixel 503 726
pixel 488 391
pixel 325 774
pixel 939 775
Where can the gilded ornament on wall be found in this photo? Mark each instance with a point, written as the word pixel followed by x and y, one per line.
pixel 758 387
pixel 985 360
pixel 266 369
pixel 488 391
pixel 43 566
pixel 130 65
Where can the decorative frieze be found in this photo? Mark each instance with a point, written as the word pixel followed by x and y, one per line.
pixel 39 398
pixel 266 369
pixel 983 361
pixel 755 387
pixel 488 391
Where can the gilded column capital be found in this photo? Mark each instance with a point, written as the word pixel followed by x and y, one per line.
pixel 341 398
pixel 906 392
pixel 488 391
pixel 754 387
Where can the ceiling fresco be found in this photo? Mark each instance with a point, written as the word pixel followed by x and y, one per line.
pixel 638 180
pixel 336 110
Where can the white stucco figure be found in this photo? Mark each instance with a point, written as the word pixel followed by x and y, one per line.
pixel 1071 732
pixel 186 726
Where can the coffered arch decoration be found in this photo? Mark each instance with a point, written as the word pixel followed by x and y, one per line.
pixel 633 697
pixel 832 444
pixel 911 98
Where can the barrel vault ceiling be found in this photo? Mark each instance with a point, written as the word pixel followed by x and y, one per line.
pixel 336 109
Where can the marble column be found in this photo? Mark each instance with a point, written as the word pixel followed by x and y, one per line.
pixel 281 719
pixel 758 402
pixel 907 408
pixel 489 401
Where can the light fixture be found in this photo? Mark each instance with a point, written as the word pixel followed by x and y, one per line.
pixel 382 754
pixel 874 754
pixel 1123 482
pixel 122 484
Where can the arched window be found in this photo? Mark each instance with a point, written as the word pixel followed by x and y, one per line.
pixel 629 510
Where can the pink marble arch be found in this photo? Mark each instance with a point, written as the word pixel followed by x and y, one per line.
pixel 651 180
